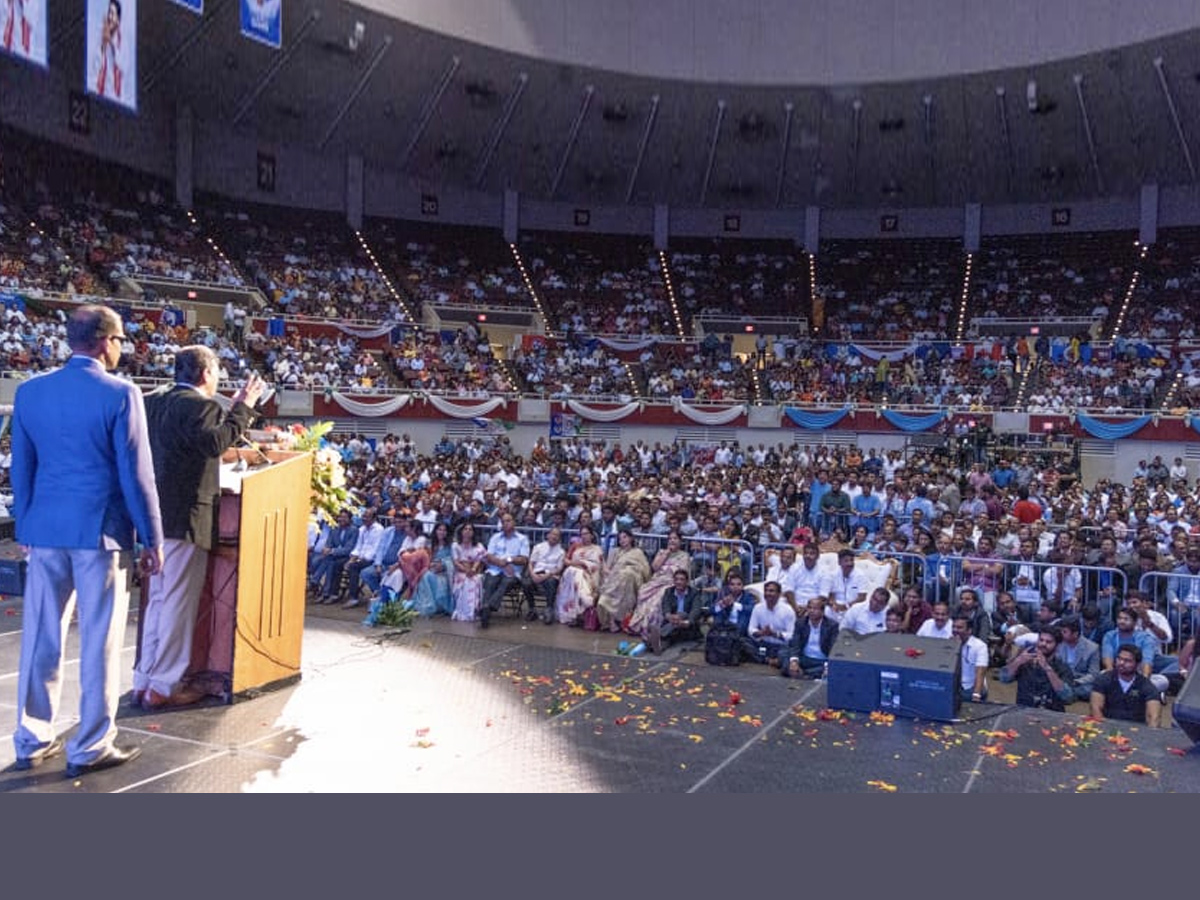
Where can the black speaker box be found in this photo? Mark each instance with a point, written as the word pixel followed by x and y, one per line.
pixel 897 673
pixel 1186 709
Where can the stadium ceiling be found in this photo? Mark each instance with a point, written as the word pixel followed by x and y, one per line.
pixel 445 111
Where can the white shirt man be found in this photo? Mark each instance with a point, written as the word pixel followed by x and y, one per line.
pixel 847 586
pixel 1178 470
pixel 369 536
pixel 785 574
pixel 939 626
pixel 1071 582
pixel 775 620
pixel 807 580
pixel 869 617
pixel 547 559
pixel 974 653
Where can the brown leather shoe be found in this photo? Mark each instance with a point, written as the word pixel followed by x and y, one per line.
pixel 185 696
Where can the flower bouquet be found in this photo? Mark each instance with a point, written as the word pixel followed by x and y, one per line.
pixel 330 493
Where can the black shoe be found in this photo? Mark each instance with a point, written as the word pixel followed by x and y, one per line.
pixel 532 615
pixel 654 639
pixel 25 763
pixel 548 617
pixel 485 615
pixel 110 759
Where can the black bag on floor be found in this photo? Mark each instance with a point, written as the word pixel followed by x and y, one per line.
pixel 723 646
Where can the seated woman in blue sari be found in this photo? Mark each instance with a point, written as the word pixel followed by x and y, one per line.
pixel 432 594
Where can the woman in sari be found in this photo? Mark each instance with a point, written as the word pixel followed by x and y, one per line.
pixel 414 557
pixel 466 587
pixel 662 567
pixel 580 578
pixel 625 570
pixel 432 594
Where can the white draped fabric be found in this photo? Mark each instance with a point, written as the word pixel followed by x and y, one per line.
pixel 373 332
pixel 466 411
pixel 720 417
pixel 892 355
pixel 623 345
pixel 593 414
pixel 358 408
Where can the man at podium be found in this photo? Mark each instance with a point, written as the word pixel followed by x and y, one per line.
pixel 189 431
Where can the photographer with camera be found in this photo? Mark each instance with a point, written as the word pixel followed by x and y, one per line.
pixel 1043 680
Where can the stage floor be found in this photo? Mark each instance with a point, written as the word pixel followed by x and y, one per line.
pixel 447 707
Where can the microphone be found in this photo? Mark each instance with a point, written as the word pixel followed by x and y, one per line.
pixel 240 465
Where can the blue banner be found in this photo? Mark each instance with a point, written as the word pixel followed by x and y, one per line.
pixel 23 26
pixel 913 423
pixel 196 6
pixel 815 421
pixel 1108 432
pixel 110 66
pixel 262 21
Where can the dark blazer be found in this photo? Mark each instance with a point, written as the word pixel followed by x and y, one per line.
pixel 829 633
pixel 81 472
pixel 188 434
pixel 693 606
pixel 341 541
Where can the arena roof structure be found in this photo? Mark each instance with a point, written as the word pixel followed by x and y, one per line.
pixel 848 105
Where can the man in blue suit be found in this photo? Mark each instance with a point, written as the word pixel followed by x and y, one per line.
pixel 83 483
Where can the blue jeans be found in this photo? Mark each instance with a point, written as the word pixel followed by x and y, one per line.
pixel 371 577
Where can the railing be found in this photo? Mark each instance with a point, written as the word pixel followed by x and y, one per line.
pixel 1178 595
pixel 1080 322
pixel 167 281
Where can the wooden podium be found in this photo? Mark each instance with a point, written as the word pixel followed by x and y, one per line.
pixel 250 622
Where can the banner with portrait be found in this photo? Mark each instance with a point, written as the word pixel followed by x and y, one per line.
pixel 565 425
pixel 262 21
pixel 23 30
pixel 110 67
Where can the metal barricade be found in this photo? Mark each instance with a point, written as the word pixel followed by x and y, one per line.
pixel 909 567
pixel 1177 595
pixel 1032 581
pixel 723 554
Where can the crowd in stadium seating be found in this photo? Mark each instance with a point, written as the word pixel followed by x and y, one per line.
pixel 459 362
pixel 306 264
pixel 889 290
pixel 562 369
pixel 1053 276
pixel 31 343
pixel 87 224
pixel 1168 288
pixel 769 278
pixel 72 223
pixel 339 363
pixel 449 265
pixel 1035 547
pixel 607 285
pixel 27 259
